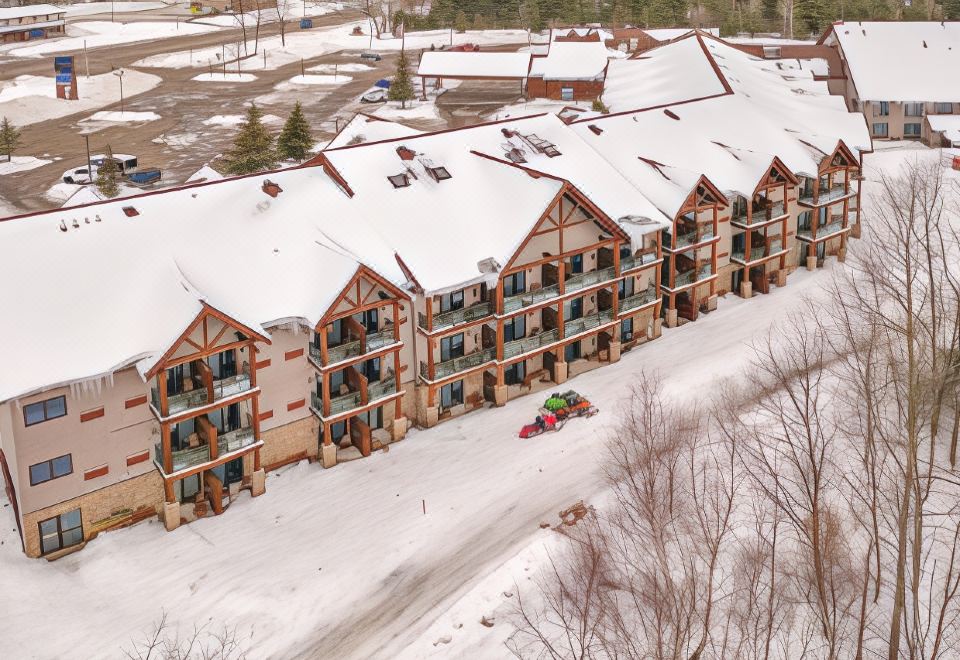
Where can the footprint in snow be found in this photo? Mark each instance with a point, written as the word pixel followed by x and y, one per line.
pixel 446 639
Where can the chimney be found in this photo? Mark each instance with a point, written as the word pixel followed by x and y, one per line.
pixel 271 188
pixel 405 153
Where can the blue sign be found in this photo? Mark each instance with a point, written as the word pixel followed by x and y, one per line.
pixel 60 60
pixel 37 34
pixel 65 79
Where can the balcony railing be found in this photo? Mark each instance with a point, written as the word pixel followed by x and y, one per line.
pixel 355 348
pixel 222 388
pixel 695 236
pixel 826 196
pixel 638 300
pixel 235 440
pixel 382 388
pixel 377 340
pixel 584 280
pixel 345 402
pixel 635 261
pixel 456 365
pixel 760 214
pixel 528 298
pixel 692 275
pixel 585 323
pixel 457 316
pixel 823 231
pixel 517 347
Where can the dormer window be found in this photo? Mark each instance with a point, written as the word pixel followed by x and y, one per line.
pixel 130 211
pixel 399 180
pixel 542 146
pixel 438 173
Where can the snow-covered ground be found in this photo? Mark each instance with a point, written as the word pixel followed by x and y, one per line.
pixel 122 117
pixel 91 8
pixel 225 77
pixel 414 110
pixel 320 79
pixel 343 563
pixel 21 164
pixel 30 99
pixel 349 67
pixel 305 44
pixel 289 9
pixel 94 34
pixel 235 120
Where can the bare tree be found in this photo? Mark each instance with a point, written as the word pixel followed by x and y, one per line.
pixel 164 642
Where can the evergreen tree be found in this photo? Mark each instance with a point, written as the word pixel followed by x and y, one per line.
pixel 401 89
pixel 107 182
pixel 460 22
pixel 295 140
pixel 530 14
pixel 252 148
pixel 9 137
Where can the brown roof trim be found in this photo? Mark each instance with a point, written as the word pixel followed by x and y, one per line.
pixel 713 62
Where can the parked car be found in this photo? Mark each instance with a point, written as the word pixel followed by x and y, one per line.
pixel 82 174
pixel 370 55
pixel 374 95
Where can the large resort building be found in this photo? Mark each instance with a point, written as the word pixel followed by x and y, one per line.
pixel 164 352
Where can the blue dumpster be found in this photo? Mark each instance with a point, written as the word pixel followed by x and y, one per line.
pixel 306 23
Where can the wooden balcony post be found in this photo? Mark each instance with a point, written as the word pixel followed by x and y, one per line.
pixel 616 257
pixel 252 355
pixel 562 276
pixel 166 447
pixel 324 347
pixel 429 315
pixel 168 491
pixel 396 324
pixel 430 357
pixel 325 399
pixel 206 377
pixel 500 338
pixel 162 384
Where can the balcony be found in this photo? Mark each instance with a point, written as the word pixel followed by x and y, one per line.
pixel 761 213
pixel 823 231
pixel 584 280
pixel 647 256
pixel 377 340
pixel 775 246
pixel 457 365
pixel 648 296
pixel 345 402
pixel 220 389
pixel 382 388
pixel 354 348
pixel 512 349
pixel 583 324
pixel 693 275
pixel 698 235
pixel 193 456
pixel 528 298
pixel 826 196
pixel 457 316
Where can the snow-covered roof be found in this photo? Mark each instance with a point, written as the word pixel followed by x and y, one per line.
pixel 450 232
pixel 29 10
pixel 123 287
pixel 205 173
pixel 669 34
pixel 368 128
pixel 901 61
pixel 561 33
pixel 949 125
pixel 83 195
pixel 571 60
pixel 455 64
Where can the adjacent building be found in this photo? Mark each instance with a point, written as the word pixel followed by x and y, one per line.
pixel 23 23
pixel 900 75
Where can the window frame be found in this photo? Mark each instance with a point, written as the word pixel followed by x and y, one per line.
pixel 449 344
pixel 913 109
pixel 521 277
pixel 626 335
pixel 938 108
pixel 886 129
pixel 449 301
pixel 60 531
pixel 911 133
pixel 882 109
pixel 567 94
pixel 45 403
pixel 49 463
pixel 455 390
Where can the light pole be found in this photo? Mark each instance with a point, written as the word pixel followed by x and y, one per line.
pixel 119 74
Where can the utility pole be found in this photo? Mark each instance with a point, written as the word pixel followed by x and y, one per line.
pixel 119 74
pixel 89 160
pixel 85 60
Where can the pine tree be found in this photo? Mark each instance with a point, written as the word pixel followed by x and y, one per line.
pixel 295 140
pixel 9 137
pixel 460 22
pixel 401 89
pixel 107 175
pixel 252 148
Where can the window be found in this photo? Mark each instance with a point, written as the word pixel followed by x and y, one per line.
pixel 739 243
pixel 626 330
pixel 372 418
pixel 515 328
pixel 576 263
pixel 515 373
pixel 43 411
pixel 451 395
pixel 55 468
pixel 573 309
pixel 572 352
pixel 370 319
pixel 625 287
pixel 399 180
pixel 739 209
pixel 439 173
pixel 371 370
pixel 566 93
pixel 881 130
pixel 451 347
pixel 943 108
pixel 913 109
pixel 61 532
pixel 804 221
pixel 911 130
pixel 225 364
pixel 175 380
pixel 515 284
pixel 453 300
pixel 881 109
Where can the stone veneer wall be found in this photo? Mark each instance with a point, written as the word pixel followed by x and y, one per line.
pixel 290 443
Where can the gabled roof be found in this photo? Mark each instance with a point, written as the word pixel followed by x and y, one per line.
pixel 107 285
pixel 900 60
pixel 454 64
pixel 29 10
pixel 571 60
pixel 368 128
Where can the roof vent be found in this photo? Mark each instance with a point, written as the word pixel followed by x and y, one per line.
pixel 405 153
pixel 595 129
pixel 515 155
pixel 271 188
pixel 399 180
pixel 671 114
pixel 438 172
pixel 130 211
pixel 924 43
pixel 63 226
pixel 96 218
pixel 542 146
pixel 507 132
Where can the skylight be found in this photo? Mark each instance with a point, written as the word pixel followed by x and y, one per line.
pixel 399 180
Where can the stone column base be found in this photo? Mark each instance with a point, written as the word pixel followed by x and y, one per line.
pixel 842 254
pixel 500 394
pixel 328 455
pixel 258 483
pixel 812 263
pixel 171 515
pixel 671 318
pixel 614 351
pixel 855 231
pixel 433 416
pixel 559 372
pixel 746 289
pixel 399 429
pixel 782 277
pixel 656 330
pixel 712 303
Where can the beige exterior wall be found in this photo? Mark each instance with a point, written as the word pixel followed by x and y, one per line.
pixel 284 381
pixel 897 117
